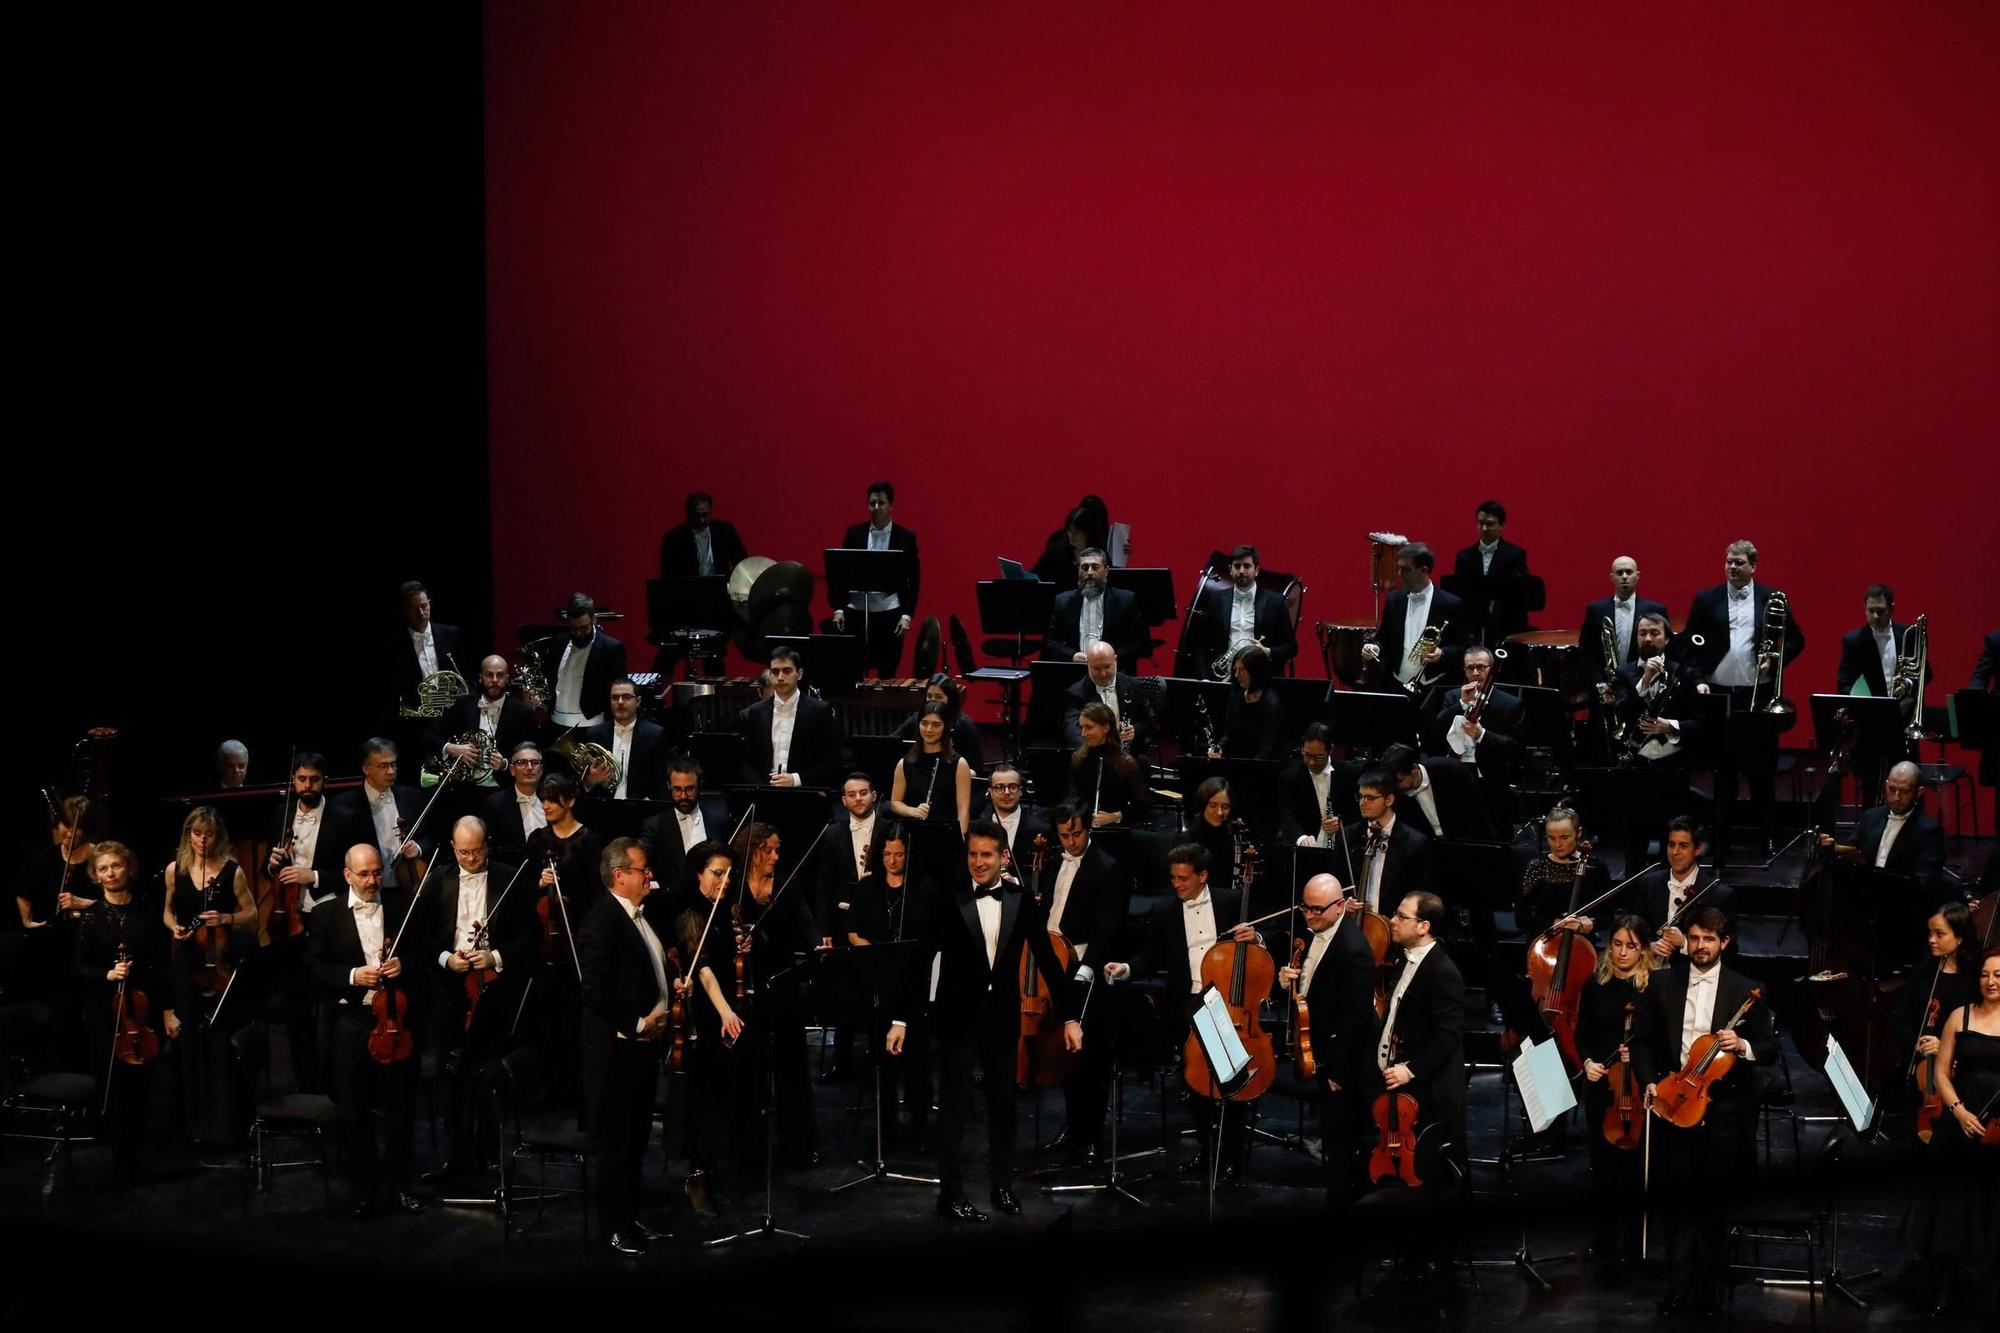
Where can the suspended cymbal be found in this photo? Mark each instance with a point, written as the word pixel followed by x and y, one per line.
pixel 743 577
pixel 786 585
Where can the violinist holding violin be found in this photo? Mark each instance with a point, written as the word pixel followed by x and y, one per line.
pixel 121 947
pixel 349 962
pixel 1336 977
pixel 1613 1101
pixel 1706 1168
pixel 1955 1218
pixel 212 917
pixel 1420 1048
pixel 701 909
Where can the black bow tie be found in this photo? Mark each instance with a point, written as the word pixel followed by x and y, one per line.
pixel 987 891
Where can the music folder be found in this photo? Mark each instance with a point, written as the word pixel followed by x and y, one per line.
pixel 1227 1057
pixel 1853 1097
pixel 1546 1094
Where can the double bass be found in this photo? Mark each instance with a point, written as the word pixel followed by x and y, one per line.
pixel 1243 972
pixel 1040 1056
pixel 1560 963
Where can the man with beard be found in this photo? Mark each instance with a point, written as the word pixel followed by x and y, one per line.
pixel 1092 611
pixel 1241 613
pixel 491 709
pixel 307 871
pixel 638 749
pixel 691 819
pixel 1104 682
pixel 590 661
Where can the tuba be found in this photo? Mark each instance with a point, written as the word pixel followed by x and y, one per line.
pixel 1908 684
pixel 435 693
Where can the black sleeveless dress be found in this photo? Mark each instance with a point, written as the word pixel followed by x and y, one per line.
pixel 1955 1215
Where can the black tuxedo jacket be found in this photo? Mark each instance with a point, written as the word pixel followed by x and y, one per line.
pixel 358 824
pixel 333 949
pixel 619 988
pixel 1341 1002
pixel 1124 628
pixel 1988 669
pixel 1656 1035
pixel 816 743
pixel 329 852
pixel 1099 897
pixel 1860 661
pixel 408 672
pixel 1709 617
pixel 646 777
pixel 503 822
pixel 1134 706
pixel 512 932
pixel 900 539
pixel 1022 844
pixel 661 834
pixel 1430 1022
pixel 1918 850
pixel 1590 639
pixel 1500 742
pixel 1274 626
pixel 1406 858
pixel 1646 898
pixel 975 998
pixel 607 663
pixel 1163 945
pixel 517 724
pixel 677 553
pixel 1461 806
pixel 1444 607
pixel 840 872
pixel 1300 812
pixel 1509 561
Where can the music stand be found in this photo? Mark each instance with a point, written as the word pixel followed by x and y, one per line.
pixel 1154 589
pixel 1185 697
pixel 1048 700
pixel 1370 722
pixel 1015 608
pixel 1877 724
pixel 877 970
pixel 1875 920
pixel 1479 876
pixel 1306 700
pixel 798 813
pixel 688 602
pixel 1976 715
pixel 760 1020
pixel 858 569
pixel 833 659
pixel 1498 603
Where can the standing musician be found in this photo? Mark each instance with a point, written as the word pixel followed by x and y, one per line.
pixel 115 921
pixel 1621 611
pixel 1949 981
pixel 1606 1019
pixel 1441 798
pixel 372 810
pixel 1254 726
pixel 1663 894
pixel 424 648
pixel 1005 790
pixel 56 883
pixel 1178 935
pixel 1416 606
pixel 1241 613
pixel 703 545
pixel 1337 980
pixel 1103 683
pixel 1420 1046
pixel 688 820
pixel 484 927
pixel 713 1024
pixel 1493 557
pixel 790 739
pixel 1896 835
pixel 514 813
pixel 942 689
pixel 493 709
pixel 1087 524
pixel 890 908
pixel 566 860
pixel 638 749
pixel 851 838
pixel 1088 894
pixel 1706 1168
pixel 208 894
pixel 1391 856
pixel 1959 1214
pixel 933 783
pixel 1095 612
pixel 1316 792
pixel 590 661
pixel 349 963
pixel 627 998
pixel 311 868
pixel 1477 723
pixel 1869 653
pixel 1103 779
pixel 976 935
pixel 576 849
pixel 889 613
pixel 778 933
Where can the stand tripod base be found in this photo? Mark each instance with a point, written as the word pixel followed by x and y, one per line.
pixel 1835 1282
pixel 882 1174
pixel 1526 1260
pixel 763 1230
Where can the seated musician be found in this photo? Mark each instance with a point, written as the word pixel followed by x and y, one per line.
pixel 1896 835
pixel 1095 612
pixel 490 708
pixel 1337 979
pixel 514 812
pixel 1242 613
pixel 1477 723
pixel 1317 792
pixel 942 689
pixel 638 749
pixel 1088 893
pixel 1178 935
pixel 1662 894
pixel 207 889
pixel 1410 610
pixel 1103 683
pixel 1606 1019
pixel 1254 725
pixel 1103 779
pixel 113 921
pixel 791 739
pixel 1215 822
pixel 1708 1168
pixel 1555 884
pixel 1655 698
pixel 1494 557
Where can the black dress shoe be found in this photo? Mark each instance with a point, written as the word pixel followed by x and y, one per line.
pixel 437 1175
pixel 646 1233
pixel 1058 1143
pixel 835 1074
pixel 1193 1166
pixel 1004 1200
pixel 409 1203
pixel 1091 1155
pixel 699 1196
pixel 631 1246
pixel 960 1210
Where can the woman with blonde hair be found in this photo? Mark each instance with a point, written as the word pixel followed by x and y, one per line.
pixel 1604 1032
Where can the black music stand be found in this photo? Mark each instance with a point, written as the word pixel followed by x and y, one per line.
pixel 767 992
pixel 1977 716
pixel 1306 700
pixel 880 970
pixel 1370 722
pixel 1479 876
pixel 798 813
pixel 1153 587
pixel 1499 605
pixel 1048 700
pixel 1877 732
pixel 1186 696
pixel 858 569
pixel 1015 609
pixel 834 660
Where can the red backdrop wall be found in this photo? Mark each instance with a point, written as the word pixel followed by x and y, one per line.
pixel 1658 277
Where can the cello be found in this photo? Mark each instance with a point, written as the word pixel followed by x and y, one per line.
pixel 1395 1112
pixel 1681 1098
pixel 1625 1118
pixel 1040 1056
pixel 1559 965
pixel 1243 972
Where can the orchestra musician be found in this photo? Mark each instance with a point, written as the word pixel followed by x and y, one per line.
pixel 942 689
pixel 577 850
pixel 115 920
pixel 232 765
pixel 1254 726
pixel 1896 835
pixel 1440 797
pixel 1426 1014
pixel 590 661
pixel 206 888
pixel 850 838
pixel 1092 612
pixel 1705 1169
pixel 1661 893
pixel 1606 1015
pixel 55 883
pixel 53 889
pixel 1178 935
pixel 638 749
pixel 933 783
pixel 1948 981
pixel 1418 605
pixel 1549 882
pixel 424 648
pixel 1005 793
pixel 1868 654
pixel 1214 825
pixel 703 545
pixel 1242 612
pixel 1621 611
pixel 976 933
pixel 373 810
pixel 514 812
pixel 690 818
pixel 1953 1223
pixel 627 997
pixel 792 738
pixel 889 613
pixel 1494 557
pixel 1316 792
pixel 781 932
pixel 889 908
pixel 314 869
pixel 491 708
pixel 1489 741
pixel 1103 683
pixel 1088 893
pixel 1102 777
pixel 568 856
pixel 1087 524
pixel 714 1024
pixel 1337 979
pixel 348 962
pixel 1391 856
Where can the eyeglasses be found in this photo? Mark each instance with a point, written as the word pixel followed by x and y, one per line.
pixel 1312 909
pixel 527 763
pixel 1371 796
pixel 1003 786
pixel 1404 916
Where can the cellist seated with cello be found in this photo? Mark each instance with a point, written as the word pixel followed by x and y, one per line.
pixel 1705 1167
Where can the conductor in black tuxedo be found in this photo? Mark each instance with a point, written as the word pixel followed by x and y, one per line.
pixel 791 739
pixel 1417 605
pixel 1103 682
pixel 1494 557
pixel 1227 616
pixel 347 961
pixel 1337 978
pixel 483 925
pixel 424 646
pixel 1093 610
pixel 1708 1168
pixel 1899 837
pixel 1621 611
pixel 590 660
pixel 1420 1046
pixel 703 545
pixel 490 708
pixel 976 933
pixel 626 1003
pixel 889 612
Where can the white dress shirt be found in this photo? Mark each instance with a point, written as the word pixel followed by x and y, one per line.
pixel 1698 1016
pixel 860 832
pixel 367 924
pixel 1622 610
pixel 568 710
pixel 988 906
pixel 1198 921
pixel 656 954
pixel 1739 664
pixel 1322 785
pixel 471 913
pixel 1012 824
pixel 1427 800
pixel 1486 557
pixel 1891 827
pixel 1413 959
pixel 878 540
pixel 1416 611
pixel 306 824
pixel 1373 893
pixel 382 811
pixel 784 719
pixel 1885 644
pixel 692 828
pixel 1059 899
pixel 1108 696
pixel 489 714
pixel 704 551
pixel 530 808
pixel 621 757
pixel 1090 620
pixel 1678 892
pixel 1322 941
pixel 426 648
pixel 1242 614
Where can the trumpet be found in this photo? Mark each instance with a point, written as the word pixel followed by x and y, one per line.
pixel 1909 682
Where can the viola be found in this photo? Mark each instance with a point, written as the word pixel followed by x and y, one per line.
pixel 1040 1056
pixel 1932 1104
pixel 1375 929
pixel 1243 972
pixel 1302 1037
pixel 1625 1118
pixel 1395 1155
pixel 1560 963
pixel 133 1042
pixel 1681 1098
pixel 212 970
pixel 746 984
pixel 390 1042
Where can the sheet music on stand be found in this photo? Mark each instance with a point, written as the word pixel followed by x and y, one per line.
pixel 1217 1030
pixel 1121 544
pixel 1546 1094
pixel 1853 1097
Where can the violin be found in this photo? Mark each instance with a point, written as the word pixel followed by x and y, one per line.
pixel 1243 972
pixel 1302 1037
pixel 410 870
pixel 1625 1118
pixel 1040 1056
pixel 212 970
pixel 1395 1155
pixel 1989 1135
pixel 284 918
pixel 133 1040
pixel 1560 963
pixel 1932 1105
pixel 674 1053
pixel 390 1042
pixel 477 979
pixel 746 984
pixel 552 909
pixel 1681 1098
